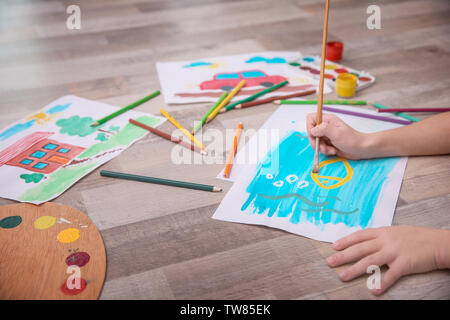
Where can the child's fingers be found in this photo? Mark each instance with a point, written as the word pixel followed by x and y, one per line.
pixel 353 253
pixel 360 267
pixel 327 149
pixel 355 237
pixel 389 277
pixel 312 141
pixel 320 130
pixel 310 121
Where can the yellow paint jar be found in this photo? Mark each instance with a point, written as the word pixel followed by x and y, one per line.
pixel 346 85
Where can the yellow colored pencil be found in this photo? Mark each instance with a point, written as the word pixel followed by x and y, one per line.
pixel 179 126
pixel 225 101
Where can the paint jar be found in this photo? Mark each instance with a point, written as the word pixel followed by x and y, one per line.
pixel 334 50
pixel 346 85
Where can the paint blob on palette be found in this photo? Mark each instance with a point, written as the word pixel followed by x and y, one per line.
pixel 311 66
pixel 50 251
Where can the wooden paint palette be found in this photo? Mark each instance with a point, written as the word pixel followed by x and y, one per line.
pixel 50 251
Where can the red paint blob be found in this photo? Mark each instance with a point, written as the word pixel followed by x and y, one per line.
pixel 314 71
pixel 72 292
pixel 328 76
pixel 364 79
pixel 78 259
pixel 341 70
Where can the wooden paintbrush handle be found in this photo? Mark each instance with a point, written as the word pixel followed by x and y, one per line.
pixel 322 65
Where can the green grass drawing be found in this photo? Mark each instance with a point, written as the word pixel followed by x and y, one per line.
pixel 123 138
pixel 61 179
pixel 57 182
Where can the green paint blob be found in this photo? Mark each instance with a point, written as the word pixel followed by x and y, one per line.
pixel 10 222
pixel 114 128
pixel 76 126
pixel 57 182
pixel 295 64
pixel 101 136
pixel 34 177
pixel 124 137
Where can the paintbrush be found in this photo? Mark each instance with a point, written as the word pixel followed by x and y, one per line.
pixel 321 82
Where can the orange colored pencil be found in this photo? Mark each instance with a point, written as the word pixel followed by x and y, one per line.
pixel 227 171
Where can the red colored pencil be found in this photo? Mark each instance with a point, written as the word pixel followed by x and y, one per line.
pixel 167 136
pixel 267 100
pixel 414 110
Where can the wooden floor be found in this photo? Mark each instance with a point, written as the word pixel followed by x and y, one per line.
pixel 161 242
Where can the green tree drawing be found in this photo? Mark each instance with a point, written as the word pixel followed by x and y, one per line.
pixel 76 125
pixel 34 177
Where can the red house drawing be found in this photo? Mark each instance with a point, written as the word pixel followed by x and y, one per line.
pixel 37 153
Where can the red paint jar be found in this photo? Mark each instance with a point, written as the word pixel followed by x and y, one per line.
pixel 334 50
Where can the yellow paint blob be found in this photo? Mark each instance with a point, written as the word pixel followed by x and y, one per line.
pixel 68 235
pixel 44 222
pixel 330 66
pixel 320 180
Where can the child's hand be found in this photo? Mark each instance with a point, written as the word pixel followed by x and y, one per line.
pixel 337 138
pixel 404 249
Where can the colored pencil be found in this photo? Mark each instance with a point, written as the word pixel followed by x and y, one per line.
pixel 233 150
pixel 182 129
pixel 316 168
pixel 366 115
pixel 403 115
pixel 167 182
pixel 124 109
pixel 202 122
pixel 256 95
pixel 225 101
pixel 168 136
pixel 267 100
pixel 395 110
pixel 342 102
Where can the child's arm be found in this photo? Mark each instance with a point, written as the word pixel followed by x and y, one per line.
pixel 427 137
pixel 404 249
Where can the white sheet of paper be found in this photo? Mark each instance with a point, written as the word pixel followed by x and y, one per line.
pixel 206 79
pixel 289 118
pixel 42 155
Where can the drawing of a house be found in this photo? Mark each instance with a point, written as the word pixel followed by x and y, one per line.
pixel 37 153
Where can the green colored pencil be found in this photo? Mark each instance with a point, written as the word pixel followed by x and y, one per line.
pixel 202 122
pixel 124 109
pixel 167 182
pixel 400 114
pixel 256 95
pixel 350 102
